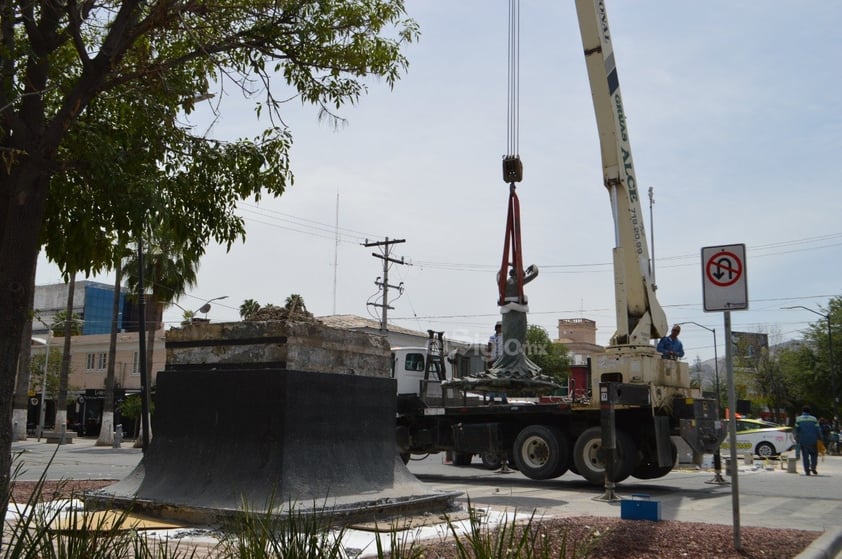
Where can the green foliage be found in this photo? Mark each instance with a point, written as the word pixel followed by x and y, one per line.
pixel 60 321
pixel 169 267
pixel 551 357
pixel 515 540
pixel 248 308
pixel 131 407
pixel 696 373
pixel 270 535
pixel 94 139
pixel 53 371
pixel 295 303
pixel 85 536
pixel 130 157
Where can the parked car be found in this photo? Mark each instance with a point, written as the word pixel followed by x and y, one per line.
pixel 762 438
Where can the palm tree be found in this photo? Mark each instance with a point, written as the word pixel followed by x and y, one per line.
pixel 106 427
pixel 68 328
pixel 169 271
pixel 295 303
pixel 248 308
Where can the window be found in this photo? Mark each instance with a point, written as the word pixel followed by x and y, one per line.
pixel 414 362
pixel 96 361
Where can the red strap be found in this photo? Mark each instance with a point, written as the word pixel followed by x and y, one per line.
pixel 511 250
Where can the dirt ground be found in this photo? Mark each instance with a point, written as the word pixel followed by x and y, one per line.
pixel 611 537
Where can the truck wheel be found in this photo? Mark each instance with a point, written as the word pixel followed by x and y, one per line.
pixel 541 452
pixel 462 458
pixel 491 460
pixel 649 468
pixel 406 457
pixel 590 465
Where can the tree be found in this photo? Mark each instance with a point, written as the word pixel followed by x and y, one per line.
pixel 551 357
pixel 106 427
pixel 696 373
pixel 20 411
pixel 68 329
pixel 131 408
pixel 295 303
pixel 827 371
pixel 248 308
pixel 60 322
pixel 771 385
pixel 53 372
pixel 169 271
pixel 77 79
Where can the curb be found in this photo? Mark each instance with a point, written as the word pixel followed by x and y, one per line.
pixel 827 546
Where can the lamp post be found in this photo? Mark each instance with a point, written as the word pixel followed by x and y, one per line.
pixel 41 409
pixel 204 309
pixel 715 359
pixel 717 457
pixel 830 355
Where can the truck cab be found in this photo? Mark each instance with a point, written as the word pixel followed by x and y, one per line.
pixel 410 365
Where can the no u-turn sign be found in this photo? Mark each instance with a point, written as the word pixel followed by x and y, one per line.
pixel 724 278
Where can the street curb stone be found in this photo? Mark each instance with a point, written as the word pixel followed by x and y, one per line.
pixel 826 546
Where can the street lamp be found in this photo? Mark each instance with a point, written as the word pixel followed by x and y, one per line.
pixel 204 309
pixel 717 456
pixel 715 359
pixel 830 355
pixel 42 410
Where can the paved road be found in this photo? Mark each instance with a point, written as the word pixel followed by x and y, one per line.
pixel 768 495
pixel 78 460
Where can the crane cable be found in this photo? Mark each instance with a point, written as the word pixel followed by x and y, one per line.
pixel 513 81
pixel 512 168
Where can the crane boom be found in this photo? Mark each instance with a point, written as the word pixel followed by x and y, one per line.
pixel 640 317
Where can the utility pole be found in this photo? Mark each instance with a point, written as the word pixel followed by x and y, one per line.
pixel 384 285
pixel 652 235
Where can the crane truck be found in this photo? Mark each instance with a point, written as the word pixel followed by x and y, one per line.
pixel 640 400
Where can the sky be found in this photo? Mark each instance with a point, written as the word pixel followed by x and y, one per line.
pixel 735 122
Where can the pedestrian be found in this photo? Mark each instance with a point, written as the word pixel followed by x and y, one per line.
pixel 670 347
pixel 495 350
pixel 495 344
pixel 824 424
pixel 807 435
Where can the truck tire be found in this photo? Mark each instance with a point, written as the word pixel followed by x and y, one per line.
pixel 591 467
pixel 541 452
pixel 649 469
pixel 491 460
pixel 462 458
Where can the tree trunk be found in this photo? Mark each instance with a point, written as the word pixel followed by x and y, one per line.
pixel 64 377
pixel 106 428
pixel 154 316
pixel 20 413
pixel 22 203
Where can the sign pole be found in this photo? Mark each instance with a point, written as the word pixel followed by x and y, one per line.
pixel 732 431
pixel 725 288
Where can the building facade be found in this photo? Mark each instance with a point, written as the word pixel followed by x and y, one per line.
pixel 93 303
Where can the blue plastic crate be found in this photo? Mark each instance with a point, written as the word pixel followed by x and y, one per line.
pixel 640 507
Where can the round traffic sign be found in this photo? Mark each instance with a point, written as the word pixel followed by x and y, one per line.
pixel 724 268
